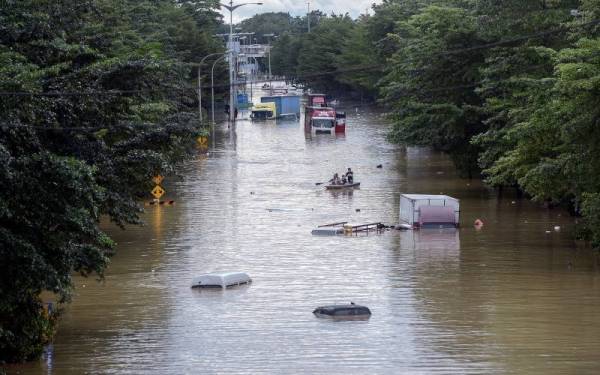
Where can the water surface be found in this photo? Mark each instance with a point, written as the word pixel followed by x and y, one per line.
pixel 513 298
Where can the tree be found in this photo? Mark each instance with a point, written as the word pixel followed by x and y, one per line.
pixel 357 62
pixel 319 50
pixel 431 90
pixel 101 102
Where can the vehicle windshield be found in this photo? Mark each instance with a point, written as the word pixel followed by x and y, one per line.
pixel 322 123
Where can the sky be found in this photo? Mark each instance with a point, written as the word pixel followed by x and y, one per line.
pixel 298 7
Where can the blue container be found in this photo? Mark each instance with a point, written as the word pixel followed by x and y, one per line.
pixel 286 105
pixel 242 98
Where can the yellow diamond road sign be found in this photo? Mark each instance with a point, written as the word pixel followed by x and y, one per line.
pixel 202 141
pixel 158 192
pixel 157 179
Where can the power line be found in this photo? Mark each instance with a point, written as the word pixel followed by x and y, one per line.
pixel 183 88
pixel 360 68
pixel 398 95
pixel 150 126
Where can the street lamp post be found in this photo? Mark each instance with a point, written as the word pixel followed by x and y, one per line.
pixel 252 77
pixel 269 36
pixel 200 83
pixel 231 8
pixel 212 100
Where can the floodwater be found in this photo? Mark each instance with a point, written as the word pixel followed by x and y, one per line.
pixel 516 297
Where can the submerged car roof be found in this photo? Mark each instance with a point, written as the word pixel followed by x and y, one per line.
pixel 339 307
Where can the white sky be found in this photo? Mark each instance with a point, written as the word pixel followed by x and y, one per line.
pixel 298 7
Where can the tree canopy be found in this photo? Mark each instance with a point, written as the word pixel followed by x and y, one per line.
pixel 97 97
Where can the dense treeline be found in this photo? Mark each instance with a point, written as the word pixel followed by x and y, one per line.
pixel 276 23
pixel 510 89
pixel 97 97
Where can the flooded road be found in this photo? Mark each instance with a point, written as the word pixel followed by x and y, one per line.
pixel 508 299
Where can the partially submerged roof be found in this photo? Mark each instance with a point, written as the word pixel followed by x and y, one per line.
pixel 221 279
pixel 342 310
pixel 428 196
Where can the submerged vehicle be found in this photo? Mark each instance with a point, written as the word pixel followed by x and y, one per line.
pixel 221 280
pixel 316 100
pixel 319 117
pixel 429 211
pixel 343 311
pixel 319 120
pixel 264 111
pixel 340 122
pixel 285 105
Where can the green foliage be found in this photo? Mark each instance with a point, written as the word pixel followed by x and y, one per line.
pixel 357 60
pixel 590 209
pixel 121 111
pixel 284 55
pixel 445 119
pixel 320 49
pixel 277 23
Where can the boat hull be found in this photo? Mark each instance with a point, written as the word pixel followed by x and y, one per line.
pixel 345 186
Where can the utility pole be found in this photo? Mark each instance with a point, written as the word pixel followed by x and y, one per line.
pixel 232 66
pixel 269 36
pixel 308 14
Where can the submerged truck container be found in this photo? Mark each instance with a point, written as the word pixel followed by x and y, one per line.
pixel 316 100
pixel 285 105
pixel 425 210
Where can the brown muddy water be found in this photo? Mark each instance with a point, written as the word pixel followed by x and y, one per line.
pixel 508 299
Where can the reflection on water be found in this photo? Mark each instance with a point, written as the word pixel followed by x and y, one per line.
pixel 510 298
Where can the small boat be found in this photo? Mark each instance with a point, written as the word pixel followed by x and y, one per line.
pixel 343 311
pixel 221 280
pixel 342 186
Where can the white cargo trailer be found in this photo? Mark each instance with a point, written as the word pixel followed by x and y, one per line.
pixel 423 210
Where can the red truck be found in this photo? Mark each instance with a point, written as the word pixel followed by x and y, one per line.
pixel 319 118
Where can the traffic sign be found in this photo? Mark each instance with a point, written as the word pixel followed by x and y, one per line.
pixel 158 192
pixel 157 179
pixel 202 141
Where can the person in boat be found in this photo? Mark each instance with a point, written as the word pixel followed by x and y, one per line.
pixel 335 180
pixel 350 176
pixel 343 179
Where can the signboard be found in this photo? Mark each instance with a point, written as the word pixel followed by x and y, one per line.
pixel 158 192
pixel 202 141
pixel 157 179
pixel 324 113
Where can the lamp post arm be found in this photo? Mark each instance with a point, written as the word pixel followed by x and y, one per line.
pixel 231 8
